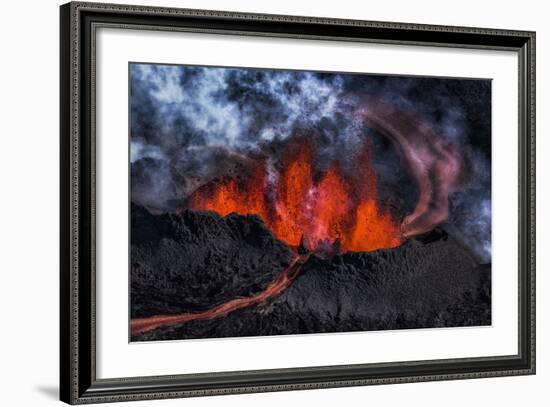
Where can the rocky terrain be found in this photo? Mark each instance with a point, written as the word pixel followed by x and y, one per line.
pixel 192 261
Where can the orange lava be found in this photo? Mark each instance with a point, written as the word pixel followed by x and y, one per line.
pixel 300 204
pixel 142 325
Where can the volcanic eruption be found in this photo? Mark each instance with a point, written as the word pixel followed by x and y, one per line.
pixel 326 211
pixel 302 231
pixel 302 207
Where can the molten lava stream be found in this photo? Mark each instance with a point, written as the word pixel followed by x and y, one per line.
pixel 142 325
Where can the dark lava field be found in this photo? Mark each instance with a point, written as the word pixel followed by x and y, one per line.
pixel 193 261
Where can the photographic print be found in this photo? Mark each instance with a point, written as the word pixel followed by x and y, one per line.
pixel 276 202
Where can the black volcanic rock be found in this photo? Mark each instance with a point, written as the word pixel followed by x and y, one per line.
pixel 429 281
pixel 415 285
pixel 194 260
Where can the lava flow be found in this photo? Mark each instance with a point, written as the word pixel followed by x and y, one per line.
pixel 300 209
pixel 301 205
pixel 142 325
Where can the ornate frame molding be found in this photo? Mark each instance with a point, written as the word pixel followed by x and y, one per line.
pixel 78 380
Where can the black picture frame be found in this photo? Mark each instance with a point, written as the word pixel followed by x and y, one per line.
pixel 78 381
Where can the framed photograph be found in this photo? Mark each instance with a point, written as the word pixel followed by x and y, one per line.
pixel 255 203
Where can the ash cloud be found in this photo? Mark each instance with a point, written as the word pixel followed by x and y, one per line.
pixel 191 124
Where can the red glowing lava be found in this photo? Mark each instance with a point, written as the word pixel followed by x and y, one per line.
pixel 295 203
pixel 142 325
